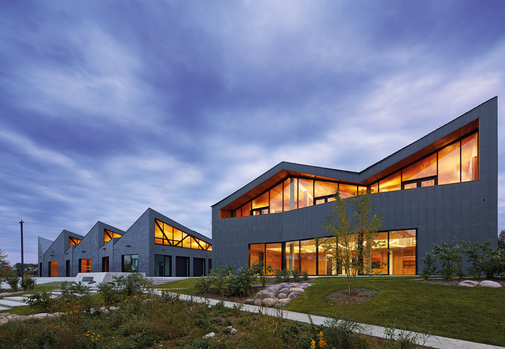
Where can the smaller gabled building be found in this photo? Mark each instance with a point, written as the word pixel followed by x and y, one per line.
pixel 155 245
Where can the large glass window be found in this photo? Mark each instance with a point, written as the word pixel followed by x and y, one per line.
pixel 292 255
pixel 347 190
pixel 470 158
pixel 402 244
pixel 130 262
pixel 379 255
pixel 260 202
pixel 257 254
pixel 308 256
pixel 426 167
pixel 274 255
pixel 276 199
pixel 391 183
pixel 165 234
pixel 325 188
pixel 305 192
pixel 449 164
pixel 290 194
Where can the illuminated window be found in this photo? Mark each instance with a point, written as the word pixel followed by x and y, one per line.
pixel 391 183
pixel 290 193
pixel 73 241
pixel 308 256
pixel 426 167
pixel 325 188
pixel 85 265
pixel 305 192
pixel 410 186
pixel 53 269
pixel 165 234
pixel 109 235
pixel 449 164
pixel 273 255
pixel 470 158
pixel 276 199
pixel 292 255
pixel 347 190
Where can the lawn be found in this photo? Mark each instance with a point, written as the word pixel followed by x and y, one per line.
pixel 473 314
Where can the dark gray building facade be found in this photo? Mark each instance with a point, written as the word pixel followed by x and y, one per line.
pixel 155 245
pixel 442 186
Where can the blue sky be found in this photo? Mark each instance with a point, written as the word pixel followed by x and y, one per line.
pixel 110 107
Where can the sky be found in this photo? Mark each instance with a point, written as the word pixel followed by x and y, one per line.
pixel 110 107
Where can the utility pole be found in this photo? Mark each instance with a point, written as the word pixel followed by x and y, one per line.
pixel 22 257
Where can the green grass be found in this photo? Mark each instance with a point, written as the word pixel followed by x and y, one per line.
pixel 180 286
pixel 473 314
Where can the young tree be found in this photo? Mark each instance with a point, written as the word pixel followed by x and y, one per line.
pixel 5 268
pixel 352 239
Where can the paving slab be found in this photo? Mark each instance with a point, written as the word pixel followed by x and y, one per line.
pixel 371 330
pixel 15 299
pixel 10 304
pixel 4 308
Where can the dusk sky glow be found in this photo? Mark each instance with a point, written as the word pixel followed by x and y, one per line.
pixel 110 107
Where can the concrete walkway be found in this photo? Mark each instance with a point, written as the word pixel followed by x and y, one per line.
pixel 370 330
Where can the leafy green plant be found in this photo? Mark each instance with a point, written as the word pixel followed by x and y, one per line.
pixel 13 282
pixel 429 268
pixel 402 339
pixel 340 332
pixel 449 256
pixel 133 284
pixel 28 283
pixel 203 284
pixel 261 271
pixel 305 275
pixel 240 282
pixel 278 274
pixel 296 274
pixel 285 273
pixel 41 301
pixel 109 293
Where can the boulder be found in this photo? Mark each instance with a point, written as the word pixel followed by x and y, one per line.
pixel 305 285
pixel 283 285
pixel 258 302
pixel 266 293
pixel 249 301
pixel 282 296
pixel 284 290
pixel 294 295
pixel 489 283
pixel 269 302
pixel 468 283
pixel 276 288
pixel 297 290
pixel 209 335
pixel 285 301
pixel 294 284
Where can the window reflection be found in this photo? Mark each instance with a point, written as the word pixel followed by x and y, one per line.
pixel 274 255
pixel 276 199
pixel 470 158
pixel 109 235
pixel 426 167
pixel 347 190
pixel 73 241
pixel 292 251
pixel 305 193
pixel 308 257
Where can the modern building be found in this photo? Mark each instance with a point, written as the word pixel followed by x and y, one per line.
pixel 442 186
pixel 154 245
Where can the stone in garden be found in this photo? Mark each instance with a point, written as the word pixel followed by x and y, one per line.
pixel 296 289
pixel 282 295
pixel 285 301
pixel 283 284
pixel 209 335
pixel 294 284
pixel 233 331
pixel 258 302
pixel 267 293
pixel 249 301
pixel 295 295
pixel 489 283
pixel 284 290
pixel 305 284
pixel 280 305
pixel 276 287
pixel 270 302
pixel 468 283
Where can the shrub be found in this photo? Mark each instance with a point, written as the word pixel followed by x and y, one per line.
pixel 28 283
pixel 41 301
pixel 305 275
pixel 203 284
pixel 278 274
pixel 296 274
pixel 240 283
pixel 262 272
pixel 13 282
pixel 133 284
pixel 340 332
pixel 285 275
pixel 109 293
pixel 449 255
pixel 403 339
pixel 429 267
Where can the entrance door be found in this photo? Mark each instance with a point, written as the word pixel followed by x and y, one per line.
pixel 198 266
pixel 105 264
pixel 67 269
pixel 181 266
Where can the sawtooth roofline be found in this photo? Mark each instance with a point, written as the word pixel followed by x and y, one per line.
pixel 386 165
